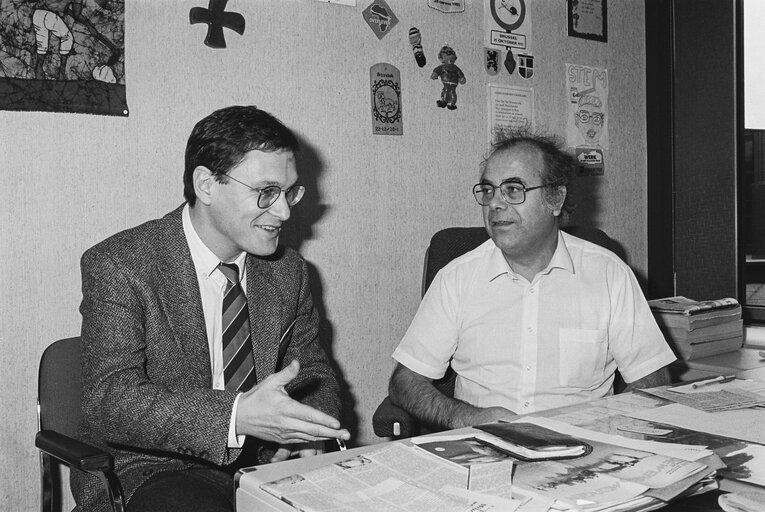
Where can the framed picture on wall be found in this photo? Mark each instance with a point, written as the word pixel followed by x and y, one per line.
pixel 588 19
pixel 63 56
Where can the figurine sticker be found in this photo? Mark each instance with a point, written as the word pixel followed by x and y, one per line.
pixel 450 76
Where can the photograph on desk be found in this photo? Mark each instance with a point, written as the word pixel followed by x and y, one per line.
pixel 696 329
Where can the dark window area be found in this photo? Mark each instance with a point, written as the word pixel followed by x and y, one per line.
pixel 752 221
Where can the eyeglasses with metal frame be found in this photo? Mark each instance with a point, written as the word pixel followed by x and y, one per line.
pixel 511 191
pixel 267 196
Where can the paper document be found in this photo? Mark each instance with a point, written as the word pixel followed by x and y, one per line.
pixel 686 452
pixel 744 424
pixel 711 398
pixel 395 477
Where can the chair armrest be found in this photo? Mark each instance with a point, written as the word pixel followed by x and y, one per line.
pixel 73 452
pixel 387 414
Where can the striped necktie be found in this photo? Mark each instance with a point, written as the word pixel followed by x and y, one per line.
pixel 238 369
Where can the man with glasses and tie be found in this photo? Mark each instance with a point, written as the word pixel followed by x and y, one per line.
pixel 200 349
pixel 532 319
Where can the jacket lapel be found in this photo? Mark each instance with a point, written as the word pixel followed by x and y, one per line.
pixel 265 304
pixel 180 296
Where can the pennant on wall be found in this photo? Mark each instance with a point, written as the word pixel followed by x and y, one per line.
pixel 63 56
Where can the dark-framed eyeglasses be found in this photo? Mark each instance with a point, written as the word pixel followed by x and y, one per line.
pixel 267 196
pixel 512 192
pixel 586 117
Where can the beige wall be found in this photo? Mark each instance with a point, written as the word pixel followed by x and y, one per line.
pixel 71 180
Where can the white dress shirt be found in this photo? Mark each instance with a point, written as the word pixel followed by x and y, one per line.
pixel 212 285
pixel 528 346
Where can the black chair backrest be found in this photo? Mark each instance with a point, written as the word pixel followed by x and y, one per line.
pixel 58 390
pixel 449 243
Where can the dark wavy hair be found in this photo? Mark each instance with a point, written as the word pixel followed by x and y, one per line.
pixel 560 167
pixel 221 140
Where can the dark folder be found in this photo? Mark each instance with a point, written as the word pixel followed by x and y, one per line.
pixel 530 442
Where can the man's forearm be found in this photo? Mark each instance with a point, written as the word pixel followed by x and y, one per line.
pixel 658 378
pixel 417 395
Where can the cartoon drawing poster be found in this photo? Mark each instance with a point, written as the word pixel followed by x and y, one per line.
pixel 587 119
pixel 63 56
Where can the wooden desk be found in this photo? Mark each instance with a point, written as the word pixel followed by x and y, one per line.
pixel 250 498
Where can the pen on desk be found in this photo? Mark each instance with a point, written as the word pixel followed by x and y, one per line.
pixel 717 380
pixel 340 444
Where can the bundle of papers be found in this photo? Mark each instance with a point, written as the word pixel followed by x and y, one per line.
pixel 697 329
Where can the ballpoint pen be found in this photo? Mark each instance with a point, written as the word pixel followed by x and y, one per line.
pixel 717 380
pixel 340 444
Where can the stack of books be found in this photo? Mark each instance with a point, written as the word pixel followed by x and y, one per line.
pixel 697 329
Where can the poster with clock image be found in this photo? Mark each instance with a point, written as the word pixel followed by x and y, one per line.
pixel 508 29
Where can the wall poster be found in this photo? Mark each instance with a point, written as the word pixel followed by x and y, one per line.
pixel 63 56
pixel 588 19
pixel 510 107
pixel 587 119
pixel 385 88
pixel 508 27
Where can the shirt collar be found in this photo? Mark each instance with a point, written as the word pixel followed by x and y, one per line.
pixel 205 261
pixel 561 258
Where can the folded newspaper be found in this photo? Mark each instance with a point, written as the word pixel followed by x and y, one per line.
pixel 685 306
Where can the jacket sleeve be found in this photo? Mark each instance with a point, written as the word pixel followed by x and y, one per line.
pixel 137 388
pixel 316 384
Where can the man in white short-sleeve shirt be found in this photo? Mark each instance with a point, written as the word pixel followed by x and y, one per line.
pixel 532 319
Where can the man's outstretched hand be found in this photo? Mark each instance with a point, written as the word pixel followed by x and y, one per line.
pixel 267 412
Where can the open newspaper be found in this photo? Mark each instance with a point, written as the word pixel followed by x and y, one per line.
pixel 455 473
pixel 397 477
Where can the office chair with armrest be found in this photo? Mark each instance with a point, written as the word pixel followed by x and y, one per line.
pixel 58 415
pixel 389 420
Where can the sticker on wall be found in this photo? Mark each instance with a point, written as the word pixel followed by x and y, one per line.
pixel 380 18
pixel 385 87
pixel 447 6
pixel 217 18
pixel 415 39
pixel 587 112
pixel 590 161
pixel 451 75
pixel 510 62
pixel 508 26
pixel 526 66
pixel 63 56
pixel 491 58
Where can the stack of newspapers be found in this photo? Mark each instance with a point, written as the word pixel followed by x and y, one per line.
pixel 697 329
pixel 581 470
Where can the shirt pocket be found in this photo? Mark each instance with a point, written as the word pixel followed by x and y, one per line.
pixel 582 357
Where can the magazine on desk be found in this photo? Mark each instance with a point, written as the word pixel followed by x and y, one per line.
pixel 685 306
pixel 410 478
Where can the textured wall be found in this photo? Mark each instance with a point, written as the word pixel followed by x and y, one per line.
pixel 72 180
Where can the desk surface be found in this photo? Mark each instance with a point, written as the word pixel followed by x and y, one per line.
pixel 745 363
pixel 605 415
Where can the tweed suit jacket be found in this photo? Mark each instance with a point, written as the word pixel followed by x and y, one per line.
pixel 146 372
